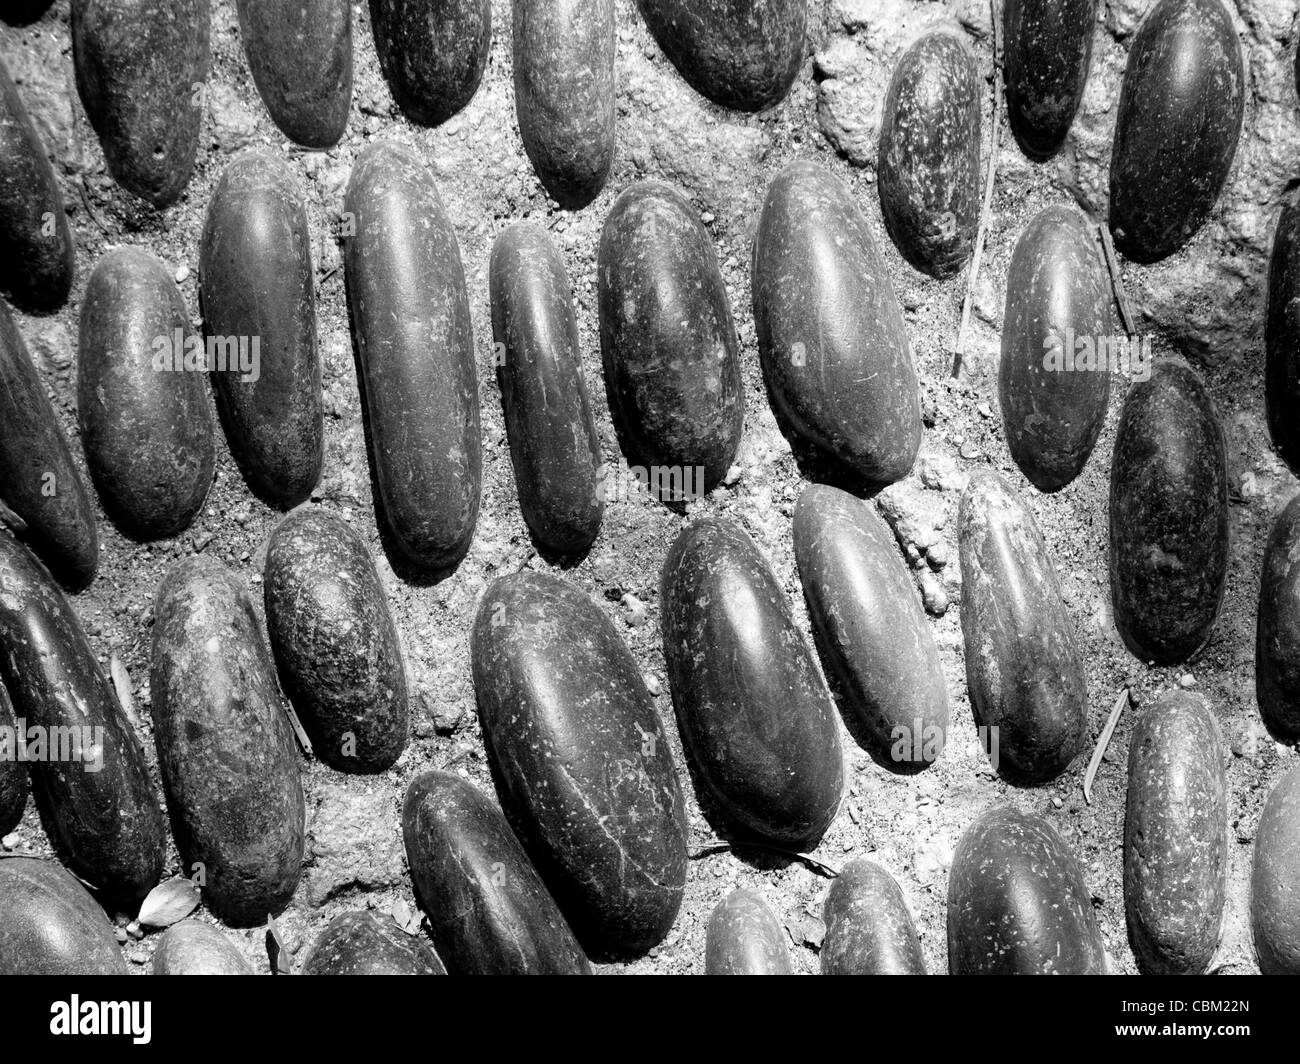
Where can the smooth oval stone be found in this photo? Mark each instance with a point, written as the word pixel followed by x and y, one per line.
pixel 1274 916
pixel 553 441
pixel 432 53
pixel 581 760
pixel 13 775
pixel 743 54
pixel 755 717
pixel 872 632
pixel 145 427
pixel 1057 335
pixel 1180 115
pixel 37 250
pixel 226 749
pixel 258 292
pixel 1176 836
pixel 565 93
pixel 671 355
pixel 1168 516
pixel 488 910
pixel 300 53
pixel 1017 902
pixel 334 640
pixel 831 338
pixel 49 925
pixel 869 930
pixel 357 943
pixel 744 938
pixel 1045 67
pixel 929 159
pixel 1277 633
pixel 141 68
pixel 195 948
pixel 1027 687
pixel 97 801
pixel 410 312
pixel 38 481
pixel 1282 336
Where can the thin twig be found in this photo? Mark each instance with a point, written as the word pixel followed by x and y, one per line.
pixel 990 177
pixel 1116 280
pixel 815 865
pixel 298 729
pixel 90 207
pixel 1102 744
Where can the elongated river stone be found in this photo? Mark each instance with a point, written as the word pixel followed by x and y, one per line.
pixel 1180 113
pixel 300 52
pixel 38 480
pixel 743 54
pixel 565 93
pixel 831 337
pixel 581 761
pixel 146 424
pixel 141 68
pixel 756 720
pixel 37 250
pixel 1169 530
pixel 432 53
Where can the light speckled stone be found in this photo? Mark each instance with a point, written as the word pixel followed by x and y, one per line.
pixel 1017 902
pixel 1176 836
pixel 432 53
pixel 229 761
pixel 744 938
pixel 335 642
pixel 1274 914
pixel 565 89
pixel 195 948
pixel 929 157
pixel 357 943
pixel 743 54
pixel 869 930
pixel 1277 644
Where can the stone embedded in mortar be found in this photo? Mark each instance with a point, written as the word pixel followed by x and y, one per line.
pixel 1200 296
pixel 854 66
